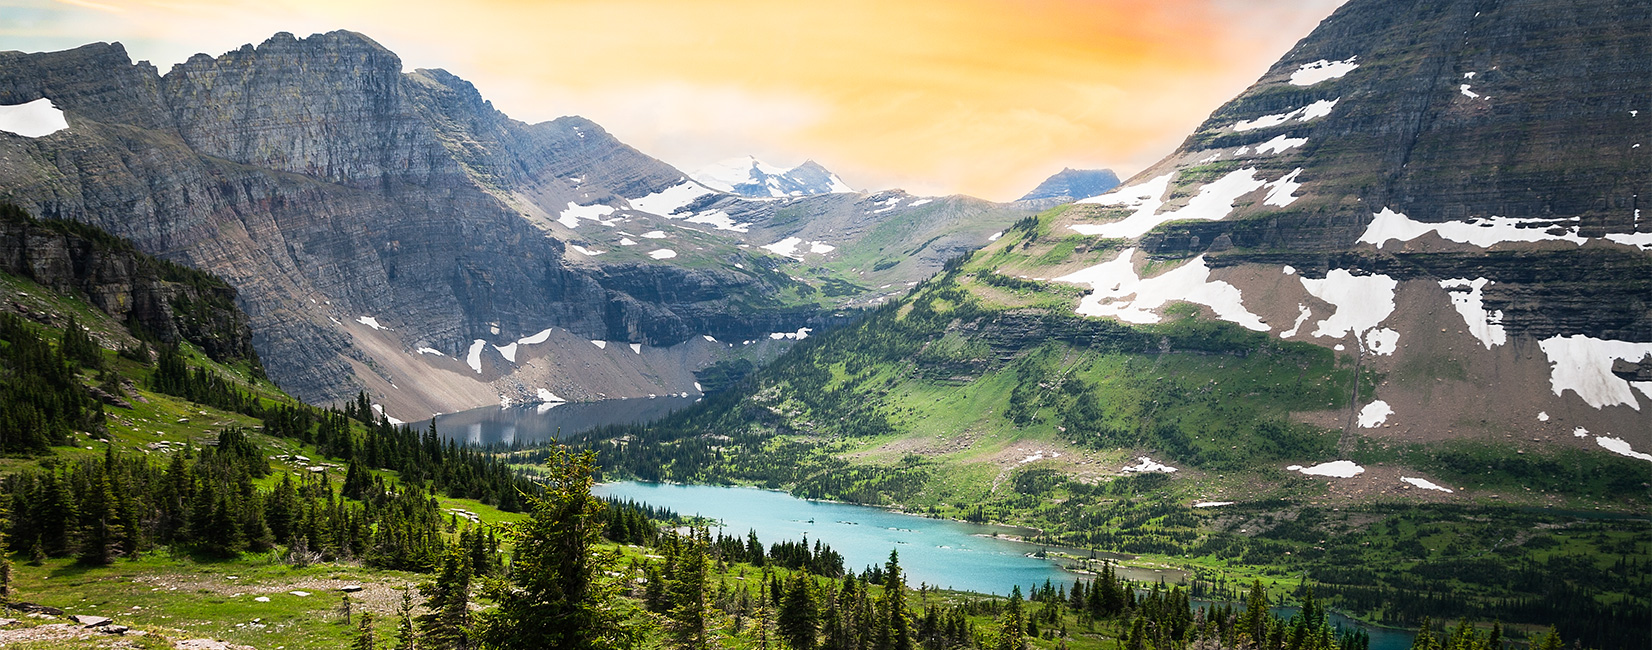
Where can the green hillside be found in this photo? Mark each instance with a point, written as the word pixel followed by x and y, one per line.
pixel 981 396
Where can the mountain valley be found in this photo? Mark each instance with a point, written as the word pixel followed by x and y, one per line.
pixel 1372 345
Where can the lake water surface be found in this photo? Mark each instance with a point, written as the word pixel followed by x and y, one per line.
pixel 542 422
pixel 938 552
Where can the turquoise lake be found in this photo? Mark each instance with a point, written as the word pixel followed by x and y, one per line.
pixel 937 552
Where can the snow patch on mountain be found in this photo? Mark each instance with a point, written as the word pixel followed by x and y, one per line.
pixel 1583 365
pixel 1117 291
pixel 1486 326
pixel 1279 144
pixel 1282 192
pixel 1335 469
pixel 1374 414
pixel 671 199
pixel 1213 203
pixel 1145 464
pixel 1362 302
pixel 1322 70
pixel 795 247
pixel 720 220
pixel 36 119
pixel 1621 446
pixel 474 357
pixel 1425 484
pixel 1302 316
pixel 1480 231
pixel 1641 240
pixel 571 215
pixel 1307 113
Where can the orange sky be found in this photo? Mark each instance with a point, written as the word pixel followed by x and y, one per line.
pixel 984 97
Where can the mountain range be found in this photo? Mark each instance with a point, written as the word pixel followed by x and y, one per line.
pixel 391 231
pixel 1378 320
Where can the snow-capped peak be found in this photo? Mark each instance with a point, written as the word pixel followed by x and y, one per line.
pixel 748 176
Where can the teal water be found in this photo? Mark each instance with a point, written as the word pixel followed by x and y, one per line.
pixel 531 423
pixel 938 552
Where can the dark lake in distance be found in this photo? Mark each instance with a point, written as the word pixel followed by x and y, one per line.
pixel 541 422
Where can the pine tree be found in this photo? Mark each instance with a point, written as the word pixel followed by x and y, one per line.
pixel 100 531
pixel 895 629
pixel 687 621
pixel 763 622
pixel 1012 624
pixel 78 347
pixel 364 634
pixel 799 616
pixel 1253 625
pixel 406 634
pixel 447 625
pixel 6 574
pixel 559 595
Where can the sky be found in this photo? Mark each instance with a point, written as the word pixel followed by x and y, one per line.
pixel 980 97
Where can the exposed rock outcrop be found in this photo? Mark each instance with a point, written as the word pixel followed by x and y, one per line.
pixel 327 185
pixel 165 300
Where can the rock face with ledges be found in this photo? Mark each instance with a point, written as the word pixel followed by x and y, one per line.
pixel 1444 192
pixel 327 185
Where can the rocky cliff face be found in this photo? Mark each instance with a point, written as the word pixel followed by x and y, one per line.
pixel 169 302
pixel 335 190
pixel 1446 192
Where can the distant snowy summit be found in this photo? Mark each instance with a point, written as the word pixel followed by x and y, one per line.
pixel 1074 184
pixel 748 176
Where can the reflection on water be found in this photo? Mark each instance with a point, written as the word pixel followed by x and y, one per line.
pixel 541 422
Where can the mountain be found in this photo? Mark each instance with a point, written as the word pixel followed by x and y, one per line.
pixel 751 177
pixel 1074 184
pixel 1402 279
pixel 391 231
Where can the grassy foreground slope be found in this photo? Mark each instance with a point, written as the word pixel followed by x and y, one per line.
pixel 982 396
pixel 180 590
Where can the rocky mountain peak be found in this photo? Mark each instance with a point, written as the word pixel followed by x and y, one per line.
pixel 1074 184
pixel 1418 185
pixel 747 176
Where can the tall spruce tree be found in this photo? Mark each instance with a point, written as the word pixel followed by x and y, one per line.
pixel 447 625
pixel 1012 624
pixel 895 627
pixel 799 617
pixel 687 622
pixel 558 594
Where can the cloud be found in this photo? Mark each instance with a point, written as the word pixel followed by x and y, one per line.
pixel 977 96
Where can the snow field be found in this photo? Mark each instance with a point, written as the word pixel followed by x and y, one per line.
pixel 1117 291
